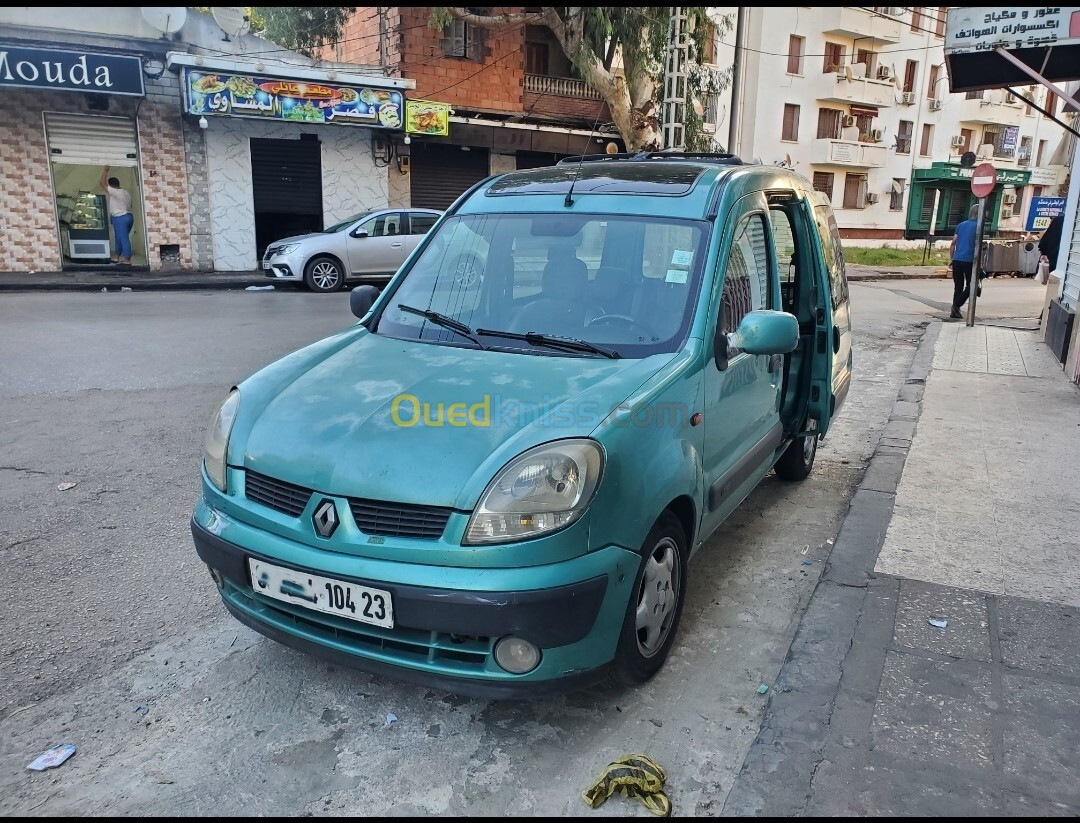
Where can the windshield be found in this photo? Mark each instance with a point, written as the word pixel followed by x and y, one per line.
pixel 625 284
pixel 346 223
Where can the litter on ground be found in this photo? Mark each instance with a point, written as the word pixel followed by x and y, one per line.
pixel 259 288
pixel 52 758
pixel 762 688
pixel 938 622
pixel 636 776
pixel 63 487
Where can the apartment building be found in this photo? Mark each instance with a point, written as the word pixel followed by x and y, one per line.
pixel 858 101
pixel 517 102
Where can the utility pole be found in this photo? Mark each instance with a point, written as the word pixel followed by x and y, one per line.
pixel 736 81
pixel 675 86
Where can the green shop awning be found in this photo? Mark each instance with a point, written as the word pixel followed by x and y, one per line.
pixel 953 171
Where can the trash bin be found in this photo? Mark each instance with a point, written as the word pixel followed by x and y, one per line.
pixel 1001 257
pixel 1029 258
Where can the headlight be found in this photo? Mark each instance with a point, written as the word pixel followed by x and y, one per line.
pixel 216 445
pixel 289 247
pixel 543 490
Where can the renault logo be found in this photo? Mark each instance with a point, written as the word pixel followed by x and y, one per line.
pixel 325 518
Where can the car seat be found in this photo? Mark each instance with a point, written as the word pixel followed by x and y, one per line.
pixel 559 308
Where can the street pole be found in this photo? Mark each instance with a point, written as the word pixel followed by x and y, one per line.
pixel 736 82
pixel 977 264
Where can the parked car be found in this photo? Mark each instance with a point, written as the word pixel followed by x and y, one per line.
pixel 494 485
pixel 370 246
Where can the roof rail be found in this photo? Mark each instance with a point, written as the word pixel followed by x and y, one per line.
pixel 699 156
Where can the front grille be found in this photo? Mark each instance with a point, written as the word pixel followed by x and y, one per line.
pixel 278 495
pixel 398 519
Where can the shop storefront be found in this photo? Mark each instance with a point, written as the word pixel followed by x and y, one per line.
pixel 941 198
pixel 288 150
pixel 65 115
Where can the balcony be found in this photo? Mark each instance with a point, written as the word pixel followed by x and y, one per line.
pixel 987 107
pixel 851 21
pixel 559 86
pixel 865 91
pixel 851 153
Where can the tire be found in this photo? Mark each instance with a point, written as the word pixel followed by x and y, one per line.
pixel 324 274
pixel 797 461
pixel 645 640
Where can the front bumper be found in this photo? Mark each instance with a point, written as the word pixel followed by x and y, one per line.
pixel 284 266
pixel 443 636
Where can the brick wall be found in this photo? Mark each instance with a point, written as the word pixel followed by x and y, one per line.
pixel 360 39
pixel 28 236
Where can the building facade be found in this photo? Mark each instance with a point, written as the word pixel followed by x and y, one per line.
pixel 225 143
pixel 516 100
pixel 859 103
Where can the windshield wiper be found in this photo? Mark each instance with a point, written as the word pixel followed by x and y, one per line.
pixel 445 322
pixel 553 341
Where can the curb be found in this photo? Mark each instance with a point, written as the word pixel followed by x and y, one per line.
pixel 855 278
pixel 776 776
pixel 217 285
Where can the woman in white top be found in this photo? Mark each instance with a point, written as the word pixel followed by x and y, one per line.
pixel 120 216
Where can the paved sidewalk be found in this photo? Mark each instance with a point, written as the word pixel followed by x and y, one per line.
pixel 113 279
pixel 878 711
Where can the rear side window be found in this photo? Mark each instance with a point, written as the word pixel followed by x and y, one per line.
pixel 834 253
pixel 422 223
pixel 746 283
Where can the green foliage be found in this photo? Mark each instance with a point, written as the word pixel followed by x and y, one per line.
pixel 303 28
pixel 889 256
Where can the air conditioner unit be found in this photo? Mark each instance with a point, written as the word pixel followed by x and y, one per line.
pixel 908 98
pixel 877 134
pixel 849 121
pixel 1008 198
pixel 884 73
pixel 1006 213
pixel 956 141
pixel 935 104
pixel 872 197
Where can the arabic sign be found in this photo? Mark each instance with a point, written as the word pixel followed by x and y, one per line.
pixel 1043 210
pixel 986 28
pixel 950 171
pixel 71 70
pixel 427 117
pixel 268 98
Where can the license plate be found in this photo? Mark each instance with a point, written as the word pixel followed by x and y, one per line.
pixel 323 594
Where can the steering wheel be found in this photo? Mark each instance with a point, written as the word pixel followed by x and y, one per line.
pixel 622 318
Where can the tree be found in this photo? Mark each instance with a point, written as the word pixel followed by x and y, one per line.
pixel 305 29
pixel 593 37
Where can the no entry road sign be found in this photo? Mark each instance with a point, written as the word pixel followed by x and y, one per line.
pixel 983 180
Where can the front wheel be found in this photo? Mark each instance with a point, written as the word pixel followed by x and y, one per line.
pixel 797 461
pixel 324 274
pixel 656 602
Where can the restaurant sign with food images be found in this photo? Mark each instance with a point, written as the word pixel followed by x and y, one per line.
pixel 427 117
pixel 299 101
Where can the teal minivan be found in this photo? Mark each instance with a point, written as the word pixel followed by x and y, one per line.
pixel 495 481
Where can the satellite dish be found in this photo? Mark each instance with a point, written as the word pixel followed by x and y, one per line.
pixel 234 20
pixel 167 20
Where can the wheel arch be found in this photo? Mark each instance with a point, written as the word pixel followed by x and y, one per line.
pixel 682 507
pixel 336 258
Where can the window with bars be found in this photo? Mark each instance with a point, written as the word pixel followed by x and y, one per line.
pixel 911 73
pixel 834 57
pixel 794 54
pixel 927 139
pixel 903 136
pixel 855 191
pixel 823 182
pixel 791 122
pixel 829 122
pixel 896 196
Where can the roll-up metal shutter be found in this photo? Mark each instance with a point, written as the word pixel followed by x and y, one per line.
pixel 1071 287
pixel 440 173
pixel 286 176
pixel 87 140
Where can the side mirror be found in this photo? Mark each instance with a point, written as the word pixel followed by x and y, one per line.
pixel 759 332
pixel 359 233
pixel 361 299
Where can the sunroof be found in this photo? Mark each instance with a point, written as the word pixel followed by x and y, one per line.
pixel 670 179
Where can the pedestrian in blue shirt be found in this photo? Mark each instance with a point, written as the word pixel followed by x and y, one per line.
pixel 962 253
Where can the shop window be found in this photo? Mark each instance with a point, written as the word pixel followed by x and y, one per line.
pixel 791 122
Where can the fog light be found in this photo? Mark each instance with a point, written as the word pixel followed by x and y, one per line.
pixel 516 656
pixel 219 581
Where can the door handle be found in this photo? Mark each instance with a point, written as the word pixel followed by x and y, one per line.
pixel 776 362
pixel 395 245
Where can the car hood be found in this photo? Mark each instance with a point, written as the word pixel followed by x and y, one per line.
pixel 348 424
pixel 319 235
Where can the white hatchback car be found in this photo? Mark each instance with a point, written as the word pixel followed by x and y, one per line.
pixel 370 246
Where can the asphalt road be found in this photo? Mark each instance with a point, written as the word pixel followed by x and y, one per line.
pixel 110 612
